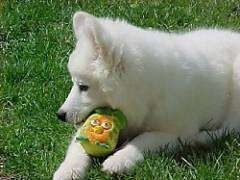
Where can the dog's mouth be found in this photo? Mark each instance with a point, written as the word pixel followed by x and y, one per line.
pixel 77 124
pixel 82 121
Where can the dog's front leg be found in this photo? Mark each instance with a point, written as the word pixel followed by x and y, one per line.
pixel 75 163
pixel 133 152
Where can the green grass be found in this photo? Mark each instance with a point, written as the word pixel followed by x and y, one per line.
pixel 35 41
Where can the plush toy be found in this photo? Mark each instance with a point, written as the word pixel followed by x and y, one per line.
pixel 99 133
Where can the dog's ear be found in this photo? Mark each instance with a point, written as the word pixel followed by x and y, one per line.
pixel 85 24
pixel 80 23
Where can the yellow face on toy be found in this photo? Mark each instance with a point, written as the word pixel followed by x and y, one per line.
pixel 99 133
pixel 98 127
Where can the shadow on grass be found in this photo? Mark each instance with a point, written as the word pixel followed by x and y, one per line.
pixel 225 144
pixel 185 161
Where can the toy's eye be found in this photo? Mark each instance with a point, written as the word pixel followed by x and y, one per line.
pixel 106 125
pixel 94 122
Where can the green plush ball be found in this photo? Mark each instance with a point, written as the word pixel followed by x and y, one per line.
pixel 99 133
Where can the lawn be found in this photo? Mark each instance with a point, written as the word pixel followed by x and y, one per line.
pixel 35 40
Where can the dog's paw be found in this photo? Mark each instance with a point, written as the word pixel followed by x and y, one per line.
pixel 115 164
pixel 69 172
pixel 121 161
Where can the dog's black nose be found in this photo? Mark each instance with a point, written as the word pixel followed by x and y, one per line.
pixel 61 115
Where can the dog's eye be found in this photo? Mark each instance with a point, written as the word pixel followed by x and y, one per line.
pixel 82 87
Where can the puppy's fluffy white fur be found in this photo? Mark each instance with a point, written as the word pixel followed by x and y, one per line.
pixel 169 85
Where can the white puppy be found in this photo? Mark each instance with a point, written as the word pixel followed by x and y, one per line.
pixel 170 86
